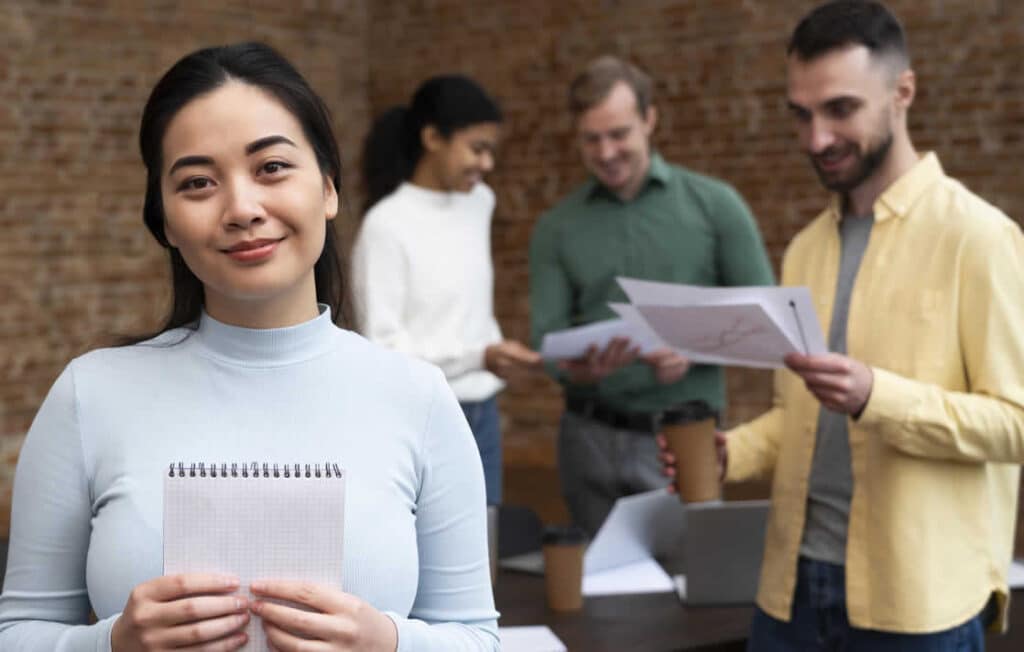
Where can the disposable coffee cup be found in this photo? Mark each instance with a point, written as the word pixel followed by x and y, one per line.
pixel 563 548
pixel 693 444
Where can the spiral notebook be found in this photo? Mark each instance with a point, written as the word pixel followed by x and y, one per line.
pixel 256 521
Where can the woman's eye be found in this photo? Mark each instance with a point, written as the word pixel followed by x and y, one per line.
pixel 195 183
pixel 273 167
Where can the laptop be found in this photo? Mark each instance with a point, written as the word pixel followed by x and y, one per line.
pixel 722 546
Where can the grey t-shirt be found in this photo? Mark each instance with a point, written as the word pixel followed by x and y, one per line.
pixel 831 483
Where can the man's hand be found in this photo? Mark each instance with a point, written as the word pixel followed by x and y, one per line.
pixel 668 365
pixel 839 382
pixel 507 357
pixel 668 458
pixel 597 364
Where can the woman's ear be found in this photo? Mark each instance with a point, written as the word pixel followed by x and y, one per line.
pixel 431 138
pixel 330 199
pixel 169 235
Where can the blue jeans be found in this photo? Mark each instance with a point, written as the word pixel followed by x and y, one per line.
pixel 486 426
pixel 819 622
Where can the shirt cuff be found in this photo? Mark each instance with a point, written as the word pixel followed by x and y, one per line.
pixel 398 621
pixel 890 404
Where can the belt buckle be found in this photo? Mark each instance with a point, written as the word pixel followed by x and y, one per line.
pixel 588 409
pixel 657 420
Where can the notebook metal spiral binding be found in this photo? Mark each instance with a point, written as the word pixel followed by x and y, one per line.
pixel 252 470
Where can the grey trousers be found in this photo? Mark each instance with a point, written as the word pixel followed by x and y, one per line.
pixel 598 464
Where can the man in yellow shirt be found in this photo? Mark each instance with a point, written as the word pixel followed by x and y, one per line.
pixel 895 458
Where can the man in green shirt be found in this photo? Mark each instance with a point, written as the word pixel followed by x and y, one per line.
pixel 641 217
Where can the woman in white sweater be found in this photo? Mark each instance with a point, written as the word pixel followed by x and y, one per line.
pixel 242 183
pixel 422 261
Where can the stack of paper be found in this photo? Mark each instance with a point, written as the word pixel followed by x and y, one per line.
pixel 745 326
pixel 741 326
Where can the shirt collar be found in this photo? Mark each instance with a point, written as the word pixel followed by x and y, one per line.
pixel 658 171
pixel 902 194
pixel 267 347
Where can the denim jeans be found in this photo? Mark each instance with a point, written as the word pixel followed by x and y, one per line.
pixel 486 426
pixel 819 622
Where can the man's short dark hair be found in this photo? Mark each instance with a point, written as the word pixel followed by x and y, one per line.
pixel 842 23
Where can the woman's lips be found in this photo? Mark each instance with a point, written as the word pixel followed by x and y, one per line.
pixel 252 250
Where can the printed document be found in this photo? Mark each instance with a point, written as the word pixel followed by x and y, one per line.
pixel 741 326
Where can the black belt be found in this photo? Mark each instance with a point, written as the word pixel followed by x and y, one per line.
pixel 643 421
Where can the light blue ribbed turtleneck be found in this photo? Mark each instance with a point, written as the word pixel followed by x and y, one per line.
pixel 87 515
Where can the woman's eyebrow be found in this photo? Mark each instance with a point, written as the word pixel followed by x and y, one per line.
pixel 264 143
pixel 185 161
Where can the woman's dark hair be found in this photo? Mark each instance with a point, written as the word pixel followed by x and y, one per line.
pixel 840 23
pixel 195 75
pixel 393 147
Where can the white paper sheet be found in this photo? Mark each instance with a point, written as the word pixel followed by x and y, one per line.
pixel 532 638
pixel 631 530
pixel 574 342
pixel 744 326
pixel 644 576
pixel 1016 575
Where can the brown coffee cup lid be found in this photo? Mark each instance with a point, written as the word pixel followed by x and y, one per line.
pixel 563 535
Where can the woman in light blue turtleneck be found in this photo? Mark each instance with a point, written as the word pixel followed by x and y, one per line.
pixel 243 178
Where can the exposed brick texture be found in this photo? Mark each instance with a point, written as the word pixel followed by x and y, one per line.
pixel 77 265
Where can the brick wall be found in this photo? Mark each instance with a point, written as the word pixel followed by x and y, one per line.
pixel 76 264
pixel 719 68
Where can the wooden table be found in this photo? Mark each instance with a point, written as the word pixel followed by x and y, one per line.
pixel 658 622
pixel 654 622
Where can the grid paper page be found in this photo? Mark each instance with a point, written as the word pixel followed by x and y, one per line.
pixel 255 528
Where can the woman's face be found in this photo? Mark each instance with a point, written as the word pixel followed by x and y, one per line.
pixel 246 205
pixel 461 160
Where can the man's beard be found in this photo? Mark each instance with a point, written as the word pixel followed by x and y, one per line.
pixel 867 165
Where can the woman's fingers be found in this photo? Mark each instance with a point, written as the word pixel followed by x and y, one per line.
pixel 173 587
pixel 308 594
pixel 286 641
pixel 307 624
pixel 191 610
pixel 203 632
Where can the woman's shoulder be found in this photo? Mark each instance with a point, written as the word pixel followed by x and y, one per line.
pixel 115 359
pixel 393 207
pixel 386 367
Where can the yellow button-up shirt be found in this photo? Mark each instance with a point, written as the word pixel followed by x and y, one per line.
pixel 937 311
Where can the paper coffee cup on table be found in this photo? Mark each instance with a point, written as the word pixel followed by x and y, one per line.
pixel 563 548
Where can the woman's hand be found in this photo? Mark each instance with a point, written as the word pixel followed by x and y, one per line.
pixel 506 358
pixel 338 620
pixel 193 611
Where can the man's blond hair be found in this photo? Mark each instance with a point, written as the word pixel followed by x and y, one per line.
pixel 593 85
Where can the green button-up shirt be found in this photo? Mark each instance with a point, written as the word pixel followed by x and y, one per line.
pixel 681 227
